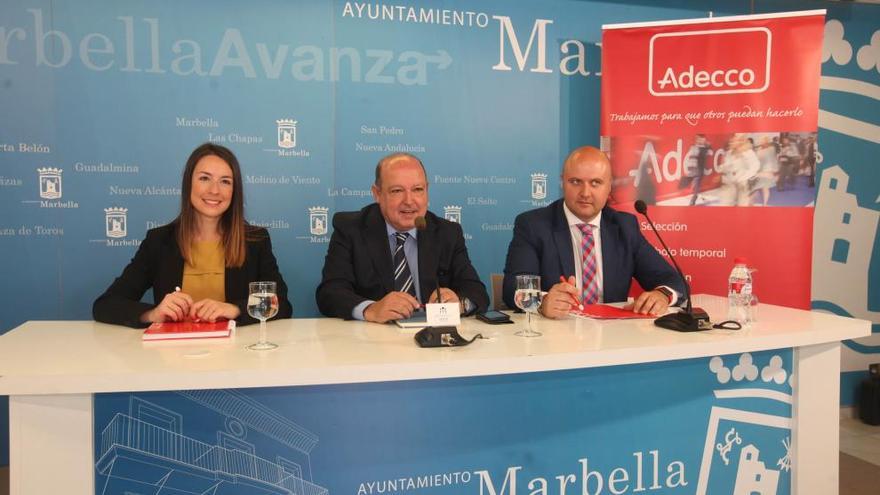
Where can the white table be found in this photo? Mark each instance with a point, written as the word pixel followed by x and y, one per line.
pixel 50 369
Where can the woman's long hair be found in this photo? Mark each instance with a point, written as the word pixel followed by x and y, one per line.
pixel 233 228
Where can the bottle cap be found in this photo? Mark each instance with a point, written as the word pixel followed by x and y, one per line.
pixel 740 261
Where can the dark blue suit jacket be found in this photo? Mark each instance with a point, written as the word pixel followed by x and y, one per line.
pixel 541 245
pixel 358 262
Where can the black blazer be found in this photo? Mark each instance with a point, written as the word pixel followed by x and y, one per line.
pixel 358 262
pixel 159 265
pixel 542 245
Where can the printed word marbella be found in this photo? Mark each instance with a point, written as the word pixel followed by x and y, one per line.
pixel 569 65
pixel 55 49
pixel 618 481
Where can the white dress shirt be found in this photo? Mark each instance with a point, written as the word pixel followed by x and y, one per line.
pixel 576 238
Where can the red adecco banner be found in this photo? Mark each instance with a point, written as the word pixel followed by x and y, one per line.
pixel 713 122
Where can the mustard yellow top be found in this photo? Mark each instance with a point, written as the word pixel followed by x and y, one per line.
pixel 205 278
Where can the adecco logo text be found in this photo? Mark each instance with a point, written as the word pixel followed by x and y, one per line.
pixel 713 62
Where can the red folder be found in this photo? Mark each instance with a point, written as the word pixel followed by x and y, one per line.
pixel 607 312
pixel 171 330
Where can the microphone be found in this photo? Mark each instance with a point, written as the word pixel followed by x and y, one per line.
pixel 421 225
pixel 692 319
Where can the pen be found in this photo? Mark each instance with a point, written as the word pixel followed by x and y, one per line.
pixel 574 299
pixel 177 289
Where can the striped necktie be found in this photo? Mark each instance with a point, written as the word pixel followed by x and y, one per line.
pixel 403 281
pixel 590 289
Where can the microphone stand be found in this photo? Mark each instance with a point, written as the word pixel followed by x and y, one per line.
pixel 691 319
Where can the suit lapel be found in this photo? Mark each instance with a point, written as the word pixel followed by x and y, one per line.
pixel 376 238
pixel 562 239
pixel 428 258
pixel 171 271
pixel 610 257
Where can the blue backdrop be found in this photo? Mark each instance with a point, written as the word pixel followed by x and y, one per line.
pixel 103 101
pixel 109 98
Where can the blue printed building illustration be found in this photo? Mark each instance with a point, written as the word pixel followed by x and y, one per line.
pixel 748 438
pixel 753 477
pixel 255 450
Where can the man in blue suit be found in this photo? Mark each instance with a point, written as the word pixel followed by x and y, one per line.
pixel 586 251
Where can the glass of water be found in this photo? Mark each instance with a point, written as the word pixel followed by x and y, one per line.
pixel 528 298
pixel 262 304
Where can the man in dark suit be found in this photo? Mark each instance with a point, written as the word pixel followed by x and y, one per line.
pixel 586 251
pixel 381 267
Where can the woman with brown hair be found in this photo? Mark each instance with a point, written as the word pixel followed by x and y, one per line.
pixel 200 264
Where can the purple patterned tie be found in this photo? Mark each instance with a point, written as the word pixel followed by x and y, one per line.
pixel 590 291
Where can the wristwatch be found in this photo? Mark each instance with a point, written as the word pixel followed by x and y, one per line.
pixel 666 292
pixel 466 306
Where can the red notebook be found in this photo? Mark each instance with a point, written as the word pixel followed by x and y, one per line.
pixel 171 330
pixel 607 312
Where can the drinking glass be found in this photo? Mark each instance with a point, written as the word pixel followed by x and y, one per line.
pixel 262 305
pixel 528 298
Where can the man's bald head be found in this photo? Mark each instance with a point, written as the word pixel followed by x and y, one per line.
pixel 588 154
pixel 586 182
pixel 395 159
pixel 401 190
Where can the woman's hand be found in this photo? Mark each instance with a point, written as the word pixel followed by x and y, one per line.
pixel 175 306
pixel 211 310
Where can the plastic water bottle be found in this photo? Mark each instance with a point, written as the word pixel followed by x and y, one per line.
pixel 739 292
